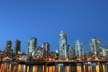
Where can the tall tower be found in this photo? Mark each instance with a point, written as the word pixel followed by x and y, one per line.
pixel 79 50
pixel 46 49
pixel 70 52
pixel 17 46
pixel 8 50
pixel 32 44
pixel 63 45
pixel 94 46
pixel 8 44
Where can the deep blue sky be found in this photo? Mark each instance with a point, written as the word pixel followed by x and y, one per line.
pixel 44 19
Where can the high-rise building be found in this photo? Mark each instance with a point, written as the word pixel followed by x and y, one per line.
pixel 79 50
pixel 8 50
pixel 94 46
pixel 17 46
pixel 70 52
pixel 46 49
pixel 32 44
pixel 8 44
pixel 63 45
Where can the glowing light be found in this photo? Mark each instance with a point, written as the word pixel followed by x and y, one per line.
pixel 67 59
pixel 84 68
pixel 19 58
pixel 43 70
pixel 50 68
pixel 19 68
pixel 10 68
pixel 24 68
pixel 67 68
pixel 49 59
pixel 97 68
pixel 58 68
pixel 78 68
pixel 34 68
pixel 103 68
pixel 90 68
pixel 28 69
pixel 96 59
pixel 47 69
pixel 53 69
pixel 14 69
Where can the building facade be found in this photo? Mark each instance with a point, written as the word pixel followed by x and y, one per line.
pixel 8 50
pixel 46 49
pixel 79 50
pixel 94 47
pixel 63 48
pixel 17 46
pixel 32 44
pixel 71 52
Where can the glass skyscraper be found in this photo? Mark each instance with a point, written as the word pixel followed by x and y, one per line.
pixel 63 45
pixel 94 46
pixel 32 44
pixel 79 50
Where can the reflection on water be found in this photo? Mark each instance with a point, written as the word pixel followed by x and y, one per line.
pixel 97 68
pixel 54 68
pixel 90 68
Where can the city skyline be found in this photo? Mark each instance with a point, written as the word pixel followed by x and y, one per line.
pixel 82 20
pixel 34 43
pixel 54 35
pixel 65 51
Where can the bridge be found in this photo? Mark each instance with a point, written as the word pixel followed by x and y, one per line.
pixel 66 62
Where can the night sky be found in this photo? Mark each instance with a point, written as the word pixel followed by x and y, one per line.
pixel 44 19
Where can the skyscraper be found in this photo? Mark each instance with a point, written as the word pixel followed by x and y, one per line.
pixel 63 45
pixel 17 46
pixel 8 44
pixel 32 44
pixel 70 52
pixel 79 50
pixel 8 50
pixel 46 49
pixel 94 46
